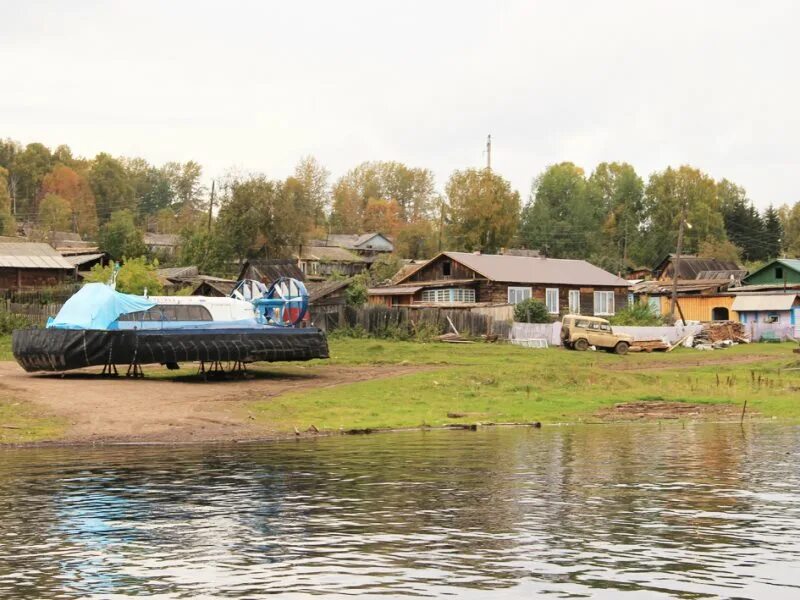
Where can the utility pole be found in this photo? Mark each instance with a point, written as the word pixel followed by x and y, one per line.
pixel 677 264
pixel 211 205
pixel 489 152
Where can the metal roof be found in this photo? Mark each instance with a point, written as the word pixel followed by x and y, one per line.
pixel 691 266
pixel 80 259
pixel 754 302
pixel 526 269
pixel 31 255
pixel 394 291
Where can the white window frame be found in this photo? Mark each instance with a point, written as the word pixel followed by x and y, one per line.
pixel 448 296
pixel 514 292
pixel 547 294
pixel 609 303
pixel 574 302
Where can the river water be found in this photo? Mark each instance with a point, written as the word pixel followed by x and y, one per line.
pixel 608 511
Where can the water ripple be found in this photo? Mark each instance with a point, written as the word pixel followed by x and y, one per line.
pixel 642 511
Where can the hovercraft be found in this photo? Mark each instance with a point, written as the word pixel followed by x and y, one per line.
pixel 100 326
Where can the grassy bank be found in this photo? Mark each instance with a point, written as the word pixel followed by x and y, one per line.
pixel 502 383
pixel 377 384
pixel 21 423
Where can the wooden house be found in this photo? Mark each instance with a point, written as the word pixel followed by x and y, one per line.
pixel 774 308
pixel 366 245
pixel 458 278
pixel 30 265
pixel 321 262
pixel 162 244
pixel 783 272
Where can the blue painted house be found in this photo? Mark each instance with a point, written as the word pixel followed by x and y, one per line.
pixel 776 308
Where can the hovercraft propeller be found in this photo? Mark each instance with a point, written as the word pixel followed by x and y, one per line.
pixel 284 303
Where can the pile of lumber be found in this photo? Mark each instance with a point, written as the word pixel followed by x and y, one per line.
pixel 649 346
pixel 721 334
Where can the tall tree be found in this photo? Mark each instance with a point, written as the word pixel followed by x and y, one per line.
pixel 773 233
pixel 417 240
pixel 617 192
pixel 120 236
pixel 790 222
pixel 668 195
pixel 382 215
pixel 8 151
pixel 8 225
pixel 111 186
pixel 239 220
pixel 743 224
pixel 483 209
pixel 560 218
pixel 55 213
pixel 314 179
pixel 412 188
pixel 75 189
pixel 29 168
pixel 186 182
pixel 153 186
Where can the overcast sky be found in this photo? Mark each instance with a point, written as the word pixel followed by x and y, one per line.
pixel 257 85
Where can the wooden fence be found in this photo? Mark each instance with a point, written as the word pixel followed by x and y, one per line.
pixel 375 320
pixel 381 320
pixel 37 314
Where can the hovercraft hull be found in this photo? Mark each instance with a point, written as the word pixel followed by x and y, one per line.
pixel 65 349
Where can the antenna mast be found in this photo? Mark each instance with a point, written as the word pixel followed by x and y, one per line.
pixel 489 152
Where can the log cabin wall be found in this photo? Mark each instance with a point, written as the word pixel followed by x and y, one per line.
pixel 12 278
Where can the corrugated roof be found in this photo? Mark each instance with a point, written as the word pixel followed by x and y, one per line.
pixel 525 269
pixel 394 291
pixel 735 274
pixel 754 302
pixel 31 255
pixel 691 266
pixel 80 259
pixel 178 272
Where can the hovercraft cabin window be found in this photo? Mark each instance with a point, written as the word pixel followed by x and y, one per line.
pixel 174 312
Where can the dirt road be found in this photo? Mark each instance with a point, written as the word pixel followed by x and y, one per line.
pixel 177 410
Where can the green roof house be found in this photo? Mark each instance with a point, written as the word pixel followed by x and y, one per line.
pixel 783 271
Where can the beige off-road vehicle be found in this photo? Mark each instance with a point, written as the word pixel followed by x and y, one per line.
pixel 579 332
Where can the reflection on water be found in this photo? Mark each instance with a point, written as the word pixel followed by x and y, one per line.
pixel 608 511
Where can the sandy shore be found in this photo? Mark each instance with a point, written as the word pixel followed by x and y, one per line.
pixel 176 410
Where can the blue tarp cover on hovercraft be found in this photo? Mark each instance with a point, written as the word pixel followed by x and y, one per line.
pixel 97 306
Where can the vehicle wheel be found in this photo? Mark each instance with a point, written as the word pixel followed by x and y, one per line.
pixel 581 345
pixel 621 348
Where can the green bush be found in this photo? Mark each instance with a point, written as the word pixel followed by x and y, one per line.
pixel 637 314
pixel 356 293
pixel 9 322
pixel 134 276
pixel 531 311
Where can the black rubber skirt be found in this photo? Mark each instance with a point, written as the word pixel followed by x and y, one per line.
pixel 65 349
